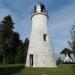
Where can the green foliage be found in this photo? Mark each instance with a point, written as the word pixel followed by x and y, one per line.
pixel 21 52
pixel 73 47
pixel 59 61
pixel 19 56
pixel 6 27
pixel 72 43
pixel 12 49
pixel 25 48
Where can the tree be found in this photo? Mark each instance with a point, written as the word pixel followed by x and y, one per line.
pixel 25 48
pixel 6 27
pixel 59 61
pixel 72 42
pixel 13 44
pixel 12 49
pixel 19 54
pixel 1 49
pixel 9 40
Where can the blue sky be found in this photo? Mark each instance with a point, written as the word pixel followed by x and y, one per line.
pixel 61 17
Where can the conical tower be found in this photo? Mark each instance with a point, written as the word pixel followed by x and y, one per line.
pixel 40 53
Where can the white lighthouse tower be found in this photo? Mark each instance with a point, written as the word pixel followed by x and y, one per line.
pixel 40 53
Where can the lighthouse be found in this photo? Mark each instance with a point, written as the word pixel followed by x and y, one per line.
pixel 40 52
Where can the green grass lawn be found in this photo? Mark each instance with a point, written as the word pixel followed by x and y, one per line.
pixel 19 69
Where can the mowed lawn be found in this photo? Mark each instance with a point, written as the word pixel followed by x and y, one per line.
pixel 19 69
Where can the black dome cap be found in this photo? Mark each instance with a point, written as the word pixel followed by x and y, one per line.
pixel 39 8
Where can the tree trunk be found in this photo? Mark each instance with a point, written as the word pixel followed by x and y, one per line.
pixel 4 57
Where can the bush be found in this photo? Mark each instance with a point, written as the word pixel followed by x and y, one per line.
pixel 59 61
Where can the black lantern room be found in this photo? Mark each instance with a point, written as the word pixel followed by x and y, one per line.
pixel 39 8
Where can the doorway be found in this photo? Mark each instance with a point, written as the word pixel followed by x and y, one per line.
pixel 31 60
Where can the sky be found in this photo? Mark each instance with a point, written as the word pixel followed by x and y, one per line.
pixel 61 17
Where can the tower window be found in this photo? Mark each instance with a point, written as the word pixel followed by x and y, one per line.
pixel 42 8
pixel 44 37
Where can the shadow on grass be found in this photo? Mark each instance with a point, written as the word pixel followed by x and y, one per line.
pixel 10 70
